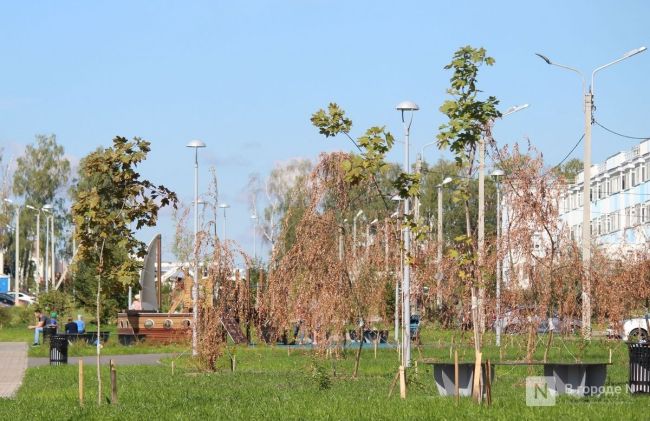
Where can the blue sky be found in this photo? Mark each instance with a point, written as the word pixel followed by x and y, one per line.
pixel 245 76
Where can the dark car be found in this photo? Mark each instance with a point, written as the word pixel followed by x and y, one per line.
pixel 6 300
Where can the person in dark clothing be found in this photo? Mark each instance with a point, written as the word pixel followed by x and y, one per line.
pixel 41 321
pixel 71 326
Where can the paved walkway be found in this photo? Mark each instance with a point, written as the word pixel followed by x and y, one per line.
pixel 13 362
pixel 132 359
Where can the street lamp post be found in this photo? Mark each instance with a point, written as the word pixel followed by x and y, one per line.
pixel 447 180
pixel 196 144
pixel 403 107
pixel 586 190
pixel 481 217
pixel 224 206
pixel 38 242
pixel 17 252
pixel 354 234
pixel 496 174
pixel 373 222
pixel 255 222
pixel 418 170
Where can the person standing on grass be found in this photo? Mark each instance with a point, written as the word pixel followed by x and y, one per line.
pixel 41 320
pixel 71 326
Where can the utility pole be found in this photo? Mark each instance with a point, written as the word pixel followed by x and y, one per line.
pixel 586 196
pixel 586 221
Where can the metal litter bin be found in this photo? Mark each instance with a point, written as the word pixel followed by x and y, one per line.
pixel 48 331
pixel 58 350
pixel 639 367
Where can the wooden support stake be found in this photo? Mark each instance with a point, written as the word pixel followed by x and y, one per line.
pixel 488 382
pixel 172 368
pixel 375 344
pixel 456 385
pixel 476 387
pixel 402 382
pixel 81 381
pixel 113 383
pixel 610 355
pixel 416 366
pixel 393 383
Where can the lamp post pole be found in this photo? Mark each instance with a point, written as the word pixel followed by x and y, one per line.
pixel 17 251
pixel 53 273
pixel 354 234
pixel 224 206
pixel 496 174
pixel 588 95
pixel 447 180
pixel 38 245
pixel 196 144
pixel 481 218
pixel 255 222
pixel 406 280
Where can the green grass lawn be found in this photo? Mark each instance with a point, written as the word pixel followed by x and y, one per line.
pixel 80 348
pixel 276 383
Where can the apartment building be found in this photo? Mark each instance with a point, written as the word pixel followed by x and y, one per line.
pixel 619 201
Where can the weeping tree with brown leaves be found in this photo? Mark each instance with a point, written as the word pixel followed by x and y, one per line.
pixel 538 254
pixel 316 282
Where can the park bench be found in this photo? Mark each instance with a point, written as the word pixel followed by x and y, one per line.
pixel 89 337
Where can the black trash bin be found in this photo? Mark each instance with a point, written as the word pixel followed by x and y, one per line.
pixel 58 350
pixel 639 367
pixel 47 332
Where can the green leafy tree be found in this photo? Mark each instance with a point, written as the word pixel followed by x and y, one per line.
pixel 569 170
pixel 104 214
pixel 41 177
pixel 469 121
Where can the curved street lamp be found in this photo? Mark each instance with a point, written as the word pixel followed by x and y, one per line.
pixel 405 107
pixel 196 145
pixel 588 95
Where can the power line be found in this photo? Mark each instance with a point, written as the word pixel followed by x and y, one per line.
pixel 567 155
pixel 621 134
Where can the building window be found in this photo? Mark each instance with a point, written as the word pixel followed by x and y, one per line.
pixel 643 172
pixel 624 184
pixel 633 173
pixel 579 198
pixel 615 184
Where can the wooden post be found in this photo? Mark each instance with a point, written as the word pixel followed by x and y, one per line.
pixel 610 355
pixel 113 383
pixel 476 387
pixel 402 382
pixel 81 381
pixel 172 368
pixel 375 345
pixel 488 382
pixel 456 385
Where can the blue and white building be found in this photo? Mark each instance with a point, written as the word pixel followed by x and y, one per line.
pixel 620 202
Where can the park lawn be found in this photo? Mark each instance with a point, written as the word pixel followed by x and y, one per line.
pixel 293 383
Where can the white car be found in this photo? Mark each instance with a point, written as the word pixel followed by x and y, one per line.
pixel 25 298
pixel 636 329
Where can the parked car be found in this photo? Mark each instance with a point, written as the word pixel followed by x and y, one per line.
pixel 6 300
pixel 518 319
pixel 636 329
pixel 29 299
